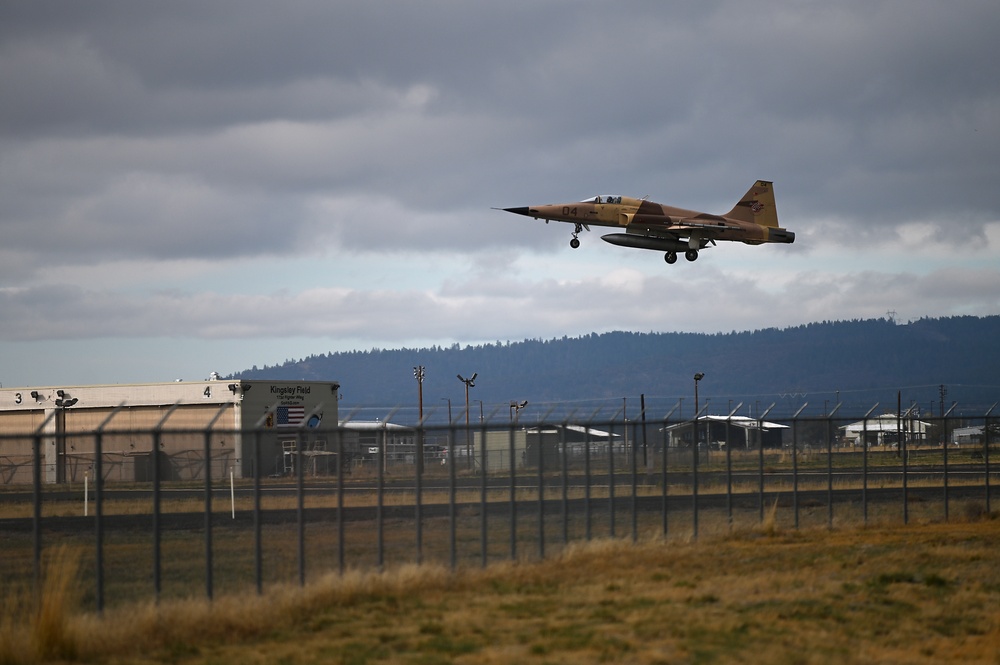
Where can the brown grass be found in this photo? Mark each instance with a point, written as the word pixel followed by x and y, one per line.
pixel 924 593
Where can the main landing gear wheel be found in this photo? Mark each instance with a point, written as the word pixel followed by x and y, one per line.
pixel 691 255
pixel 670 257
pixel 574 243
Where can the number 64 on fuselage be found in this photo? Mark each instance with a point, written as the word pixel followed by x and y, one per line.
pixel 648 225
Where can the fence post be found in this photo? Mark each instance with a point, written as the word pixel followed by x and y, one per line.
pixel 340 498
pixel 586 477
pixel 258 554
pixel 511 475
pixel 451 494
pixel 944 457
pixel 729 466
pixel 694 470
pixel 986 453
pixel 760 461
pixel 829 467
pixel 99 508
pixel 864 462
pixel 484 465
pixel 635 481
pixel 795 463
pixel 208 500
pixel 664 506
pixel 565 480
pixel 157 568
pixel 36 497
pixel 611 476
pixel 541 494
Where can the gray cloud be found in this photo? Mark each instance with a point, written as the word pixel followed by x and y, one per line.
pixel 374 133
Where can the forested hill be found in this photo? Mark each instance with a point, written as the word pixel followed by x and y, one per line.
pixel 856 362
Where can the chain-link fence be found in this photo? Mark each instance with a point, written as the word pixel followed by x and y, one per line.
pixel 168 511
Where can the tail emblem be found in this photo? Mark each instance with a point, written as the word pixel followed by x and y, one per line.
pixel 756 206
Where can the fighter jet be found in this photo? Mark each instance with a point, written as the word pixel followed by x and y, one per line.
pixel 648 225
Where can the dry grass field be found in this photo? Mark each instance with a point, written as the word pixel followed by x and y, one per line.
pixel 928 592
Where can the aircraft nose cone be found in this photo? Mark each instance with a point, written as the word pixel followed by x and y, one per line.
pixel 525 210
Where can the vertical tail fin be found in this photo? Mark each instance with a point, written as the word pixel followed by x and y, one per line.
pixel 757 205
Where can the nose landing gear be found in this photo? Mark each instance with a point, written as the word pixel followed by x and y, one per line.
pixel 575 242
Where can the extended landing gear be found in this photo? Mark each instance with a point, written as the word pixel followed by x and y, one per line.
pixel 690 255
pixel 575 242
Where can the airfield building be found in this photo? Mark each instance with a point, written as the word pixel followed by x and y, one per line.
pixel 176 421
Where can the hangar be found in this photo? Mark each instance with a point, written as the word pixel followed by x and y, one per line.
pixel 219 416
pixel 885 430
pixel 716 430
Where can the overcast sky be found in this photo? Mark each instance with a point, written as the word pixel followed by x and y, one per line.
pixel 188 187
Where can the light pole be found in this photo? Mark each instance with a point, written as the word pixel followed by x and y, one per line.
pixel 515 408
pixel 694 458
pixel 697 377
pixel 469 383
pixel 418 374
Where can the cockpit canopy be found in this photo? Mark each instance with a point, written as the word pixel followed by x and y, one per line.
pixel 603 199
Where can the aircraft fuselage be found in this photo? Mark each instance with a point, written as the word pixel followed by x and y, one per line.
pixel 650 225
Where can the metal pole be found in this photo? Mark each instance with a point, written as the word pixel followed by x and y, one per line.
pixel 258 551
pixel 340 499
pixel 157 431
pixel 156 515
pixel 418 483
pixel 986 453
pixel 541 498
pixel 642 416
pixel 513 497
pixel 795 463
pixel 944 425
pixel 208 512
pixel 565 483
pixel 829 467
pixel 300 506
pixel 864 462
pixel 380 496
pixel 635 484
pixel 760 457
pixel 611 478
pixel 451 495
pixel 664 506
pixel 36 497
pixel 586 480
pixel 729 466
pixel 483 505
pixel 208 500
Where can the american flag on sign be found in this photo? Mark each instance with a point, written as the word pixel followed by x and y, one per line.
pixel 291 416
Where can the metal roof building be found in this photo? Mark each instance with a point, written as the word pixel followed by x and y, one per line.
pixel 64 419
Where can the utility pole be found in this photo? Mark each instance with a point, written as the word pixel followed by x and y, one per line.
pixel 418 374
pixel 469 383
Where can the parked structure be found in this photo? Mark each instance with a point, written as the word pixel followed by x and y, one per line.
pixel 885 430
pixel 718 432
pixel 63 420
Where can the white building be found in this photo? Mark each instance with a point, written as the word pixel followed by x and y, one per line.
pixel 231 415
pixel 886 430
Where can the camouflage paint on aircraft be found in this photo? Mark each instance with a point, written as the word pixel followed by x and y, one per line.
pixel 648 225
